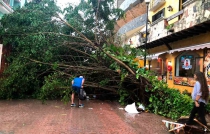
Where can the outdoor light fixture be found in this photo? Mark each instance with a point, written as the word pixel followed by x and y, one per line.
pixel 169 63
pixel 170 8
pixel 147 2
pixel 145 45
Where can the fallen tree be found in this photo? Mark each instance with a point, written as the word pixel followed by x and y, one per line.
pixel 48 51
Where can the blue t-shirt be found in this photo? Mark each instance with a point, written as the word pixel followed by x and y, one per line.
pixel 77 82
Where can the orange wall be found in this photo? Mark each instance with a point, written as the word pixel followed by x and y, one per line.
pixel 195 40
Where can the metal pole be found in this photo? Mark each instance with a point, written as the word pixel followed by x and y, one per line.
pixel 149 64
pixel 145 46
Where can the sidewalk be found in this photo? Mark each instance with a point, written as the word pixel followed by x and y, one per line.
pixel 54 117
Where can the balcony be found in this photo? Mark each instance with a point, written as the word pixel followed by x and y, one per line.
pixel 5 7
pixel 132 25
pixel 155 4
pixel 194 20
pixel 188 2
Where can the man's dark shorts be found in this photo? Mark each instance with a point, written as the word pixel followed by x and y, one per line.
pixel 75 89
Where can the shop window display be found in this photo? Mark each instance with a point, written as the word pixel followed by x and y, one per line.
pixel 186 65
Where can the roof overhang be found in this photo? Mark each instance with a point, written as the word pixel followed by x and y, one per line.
pixel 191 48
pixel 186 33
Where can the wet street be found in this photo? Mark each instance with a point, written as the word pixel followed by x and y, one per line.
pixel 54 117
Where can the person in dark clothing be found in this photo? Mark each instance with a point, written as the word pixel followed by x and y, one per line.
pixel 200 95
pixel 77 83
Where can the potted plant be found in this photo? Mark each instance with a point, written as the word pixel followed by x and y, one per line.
pixel 170 28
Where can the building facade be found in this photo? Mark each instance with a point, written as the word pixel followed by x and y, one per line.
pixel 7 6
pixel 178 41
pixel 134 21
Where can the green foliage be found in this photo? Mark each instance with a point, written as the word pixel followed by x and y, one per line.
pixel 166 101
pixel 43 47
pixel 208 108
pixel 52 88
pixel 104 82
pixel 124 94
pixel 169 26
pixel 125 54
pixel 90 15
pixel 23 31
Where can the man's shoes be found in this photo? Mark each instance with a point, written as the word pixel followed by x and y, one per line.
pixel 204 129
pixel 73 105
pixel 81 105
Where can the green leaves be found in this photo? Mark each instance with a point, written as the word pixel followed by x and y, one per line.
pixel 166 101
pixel 25 32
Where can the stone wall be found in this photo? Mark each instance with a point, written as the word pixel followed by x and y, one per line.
pixel 194 14
pixel 157 31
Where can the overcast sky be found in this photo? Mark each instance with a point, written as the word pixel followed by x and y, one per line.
pixel 64 3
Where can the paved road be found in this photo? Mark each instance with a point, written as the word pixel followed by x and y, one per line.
pixel 54 117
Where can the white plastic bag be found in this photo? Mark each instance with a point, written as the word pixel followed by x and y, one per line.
pixel 141 107
pixel 131 108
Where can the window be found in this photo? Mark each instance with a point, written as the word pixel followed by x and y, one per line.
pixel 187 63
pixel 183 1
pixel 158 15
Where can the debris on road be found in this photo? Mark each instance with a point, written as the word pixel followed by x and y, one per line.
pixel 131 108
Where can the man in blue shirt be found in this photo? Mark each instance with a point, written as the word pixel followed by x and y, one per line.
pixel 77 83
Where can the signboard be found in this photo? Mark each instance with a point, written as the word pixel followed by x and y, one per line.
pixel 187 65
pixel 208 71
pixel 1 50
pixel 207 66
pixel 186 62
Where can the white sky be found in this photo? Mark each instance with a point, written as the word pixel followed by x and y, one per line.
pixel 64 3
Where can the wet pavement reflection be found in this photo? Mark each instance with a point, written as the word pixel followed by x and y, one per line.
pixel 54 117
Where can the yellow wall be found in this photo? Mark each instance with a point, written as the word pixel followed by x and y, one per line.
pixel 175 6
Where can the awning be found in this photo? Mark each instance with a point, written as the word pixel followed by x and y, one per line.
pixel 155 56
pixel 151 56
pixel 196 47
